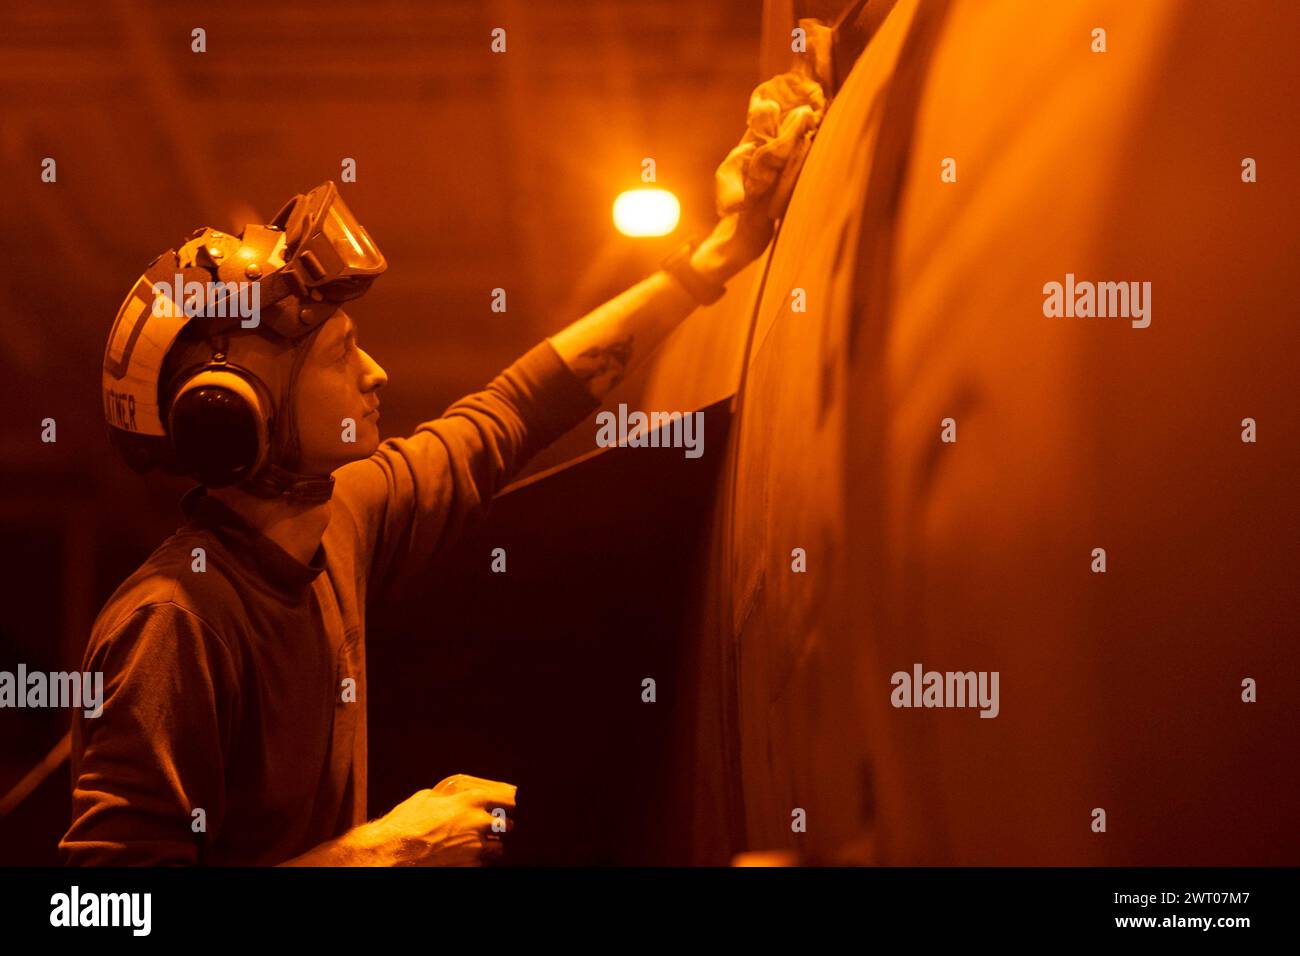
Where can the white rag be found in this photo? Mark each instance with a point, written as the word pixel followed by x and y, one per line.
pixel 784 114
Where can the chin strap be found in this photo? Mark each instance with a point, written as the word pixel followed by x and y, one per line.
pixel 276 482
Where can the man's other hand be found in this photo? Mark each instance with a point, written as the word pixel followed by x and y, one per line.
pixel 451 824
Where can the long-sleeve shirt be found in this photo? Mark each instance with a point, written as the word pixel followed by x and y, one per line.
pixel 233 729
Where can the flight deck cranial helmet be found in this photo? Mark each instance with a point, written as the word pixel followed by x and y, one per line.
pixel 209 418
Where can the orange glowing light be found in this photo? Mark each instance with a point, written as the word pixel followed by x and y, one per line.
pixel 646 212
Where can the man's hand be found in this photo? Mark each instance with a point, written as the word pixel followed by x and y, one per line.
pixel 754 183
pixel 736 241
pixel 784 115
pixel 449 825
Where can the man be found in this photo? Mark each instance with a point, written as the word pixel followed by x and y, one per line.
pixel 233 728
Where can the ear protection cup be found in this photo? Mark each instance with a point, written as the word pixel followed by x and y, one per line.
pixel 219 426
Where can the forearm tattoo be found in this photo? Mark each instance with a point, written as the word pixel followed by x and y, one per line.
pixel 601 367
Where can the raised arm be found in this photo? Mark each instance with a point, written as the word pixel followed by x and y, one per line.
pixel 414 495
pixel 606 344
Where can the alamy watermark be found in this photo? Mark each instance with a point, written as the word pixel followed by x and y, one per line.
pixel 55 689
pixel 242 300
pixel 946 689
pixel 653 430
pixel 74 908
pixel 1102 300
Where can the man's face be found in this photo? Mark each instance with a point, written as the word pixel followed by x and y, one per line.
pixel 338 382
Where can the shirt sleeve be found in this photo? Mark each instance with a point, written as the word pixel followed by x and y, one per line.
pixel 415 495
pixel 156 752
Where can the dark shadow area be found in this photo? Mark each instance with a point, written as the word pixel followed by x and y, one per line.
pixel 534 676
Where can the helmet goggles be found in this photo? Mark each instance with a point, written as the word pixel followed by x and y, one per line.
pixel 313 256
pixel 333 256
